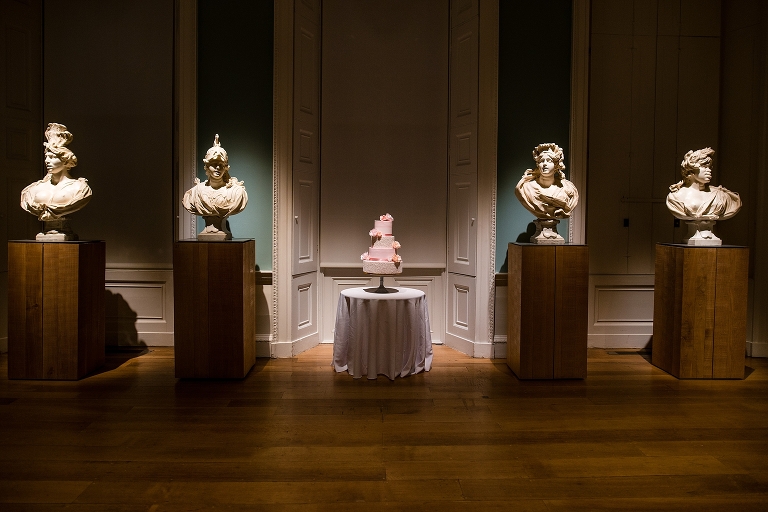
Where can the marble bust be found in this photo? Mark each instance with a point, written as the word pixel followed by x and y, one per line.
pixel 697 202
pixel 216 198
pixel 546 193
pixel 58 194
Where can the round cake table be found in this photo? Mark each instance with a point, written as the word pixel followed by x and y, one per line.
pixel 385 334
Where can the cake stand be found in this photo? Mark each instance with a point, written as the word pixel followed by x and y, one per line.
pixel 381 288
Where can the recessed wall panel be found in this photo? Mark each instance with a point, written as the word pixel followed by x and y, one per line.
pixel 384 144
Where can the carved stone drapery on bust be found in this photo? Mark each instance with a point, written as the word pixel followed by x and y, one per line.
pixel 546 193
pixel 218 197
pixel 58 194
pixel 697 202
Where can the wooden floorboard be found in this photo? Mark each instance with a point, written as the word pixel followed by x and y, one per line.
pixel 468 435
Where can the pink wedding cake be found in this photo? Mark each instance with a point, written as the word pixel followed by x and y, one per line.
pixel 382 257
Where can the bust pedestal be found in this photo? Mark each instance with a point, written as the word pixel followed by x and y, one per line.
pixel 55 309
pixel 547 311
pixel 700 311
pixel 214 286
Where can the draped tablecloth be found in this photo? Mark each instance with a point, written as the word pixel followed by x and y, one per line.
pixel 385 334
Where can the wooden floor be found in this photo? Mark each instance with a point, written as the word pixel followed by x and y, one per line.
pixel 468 435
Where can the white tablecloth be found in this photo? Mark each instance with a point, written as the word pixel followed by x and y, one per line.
pixel 385 334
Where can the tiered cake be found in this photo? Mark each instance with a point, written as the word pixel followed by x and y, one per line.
pixel 382 257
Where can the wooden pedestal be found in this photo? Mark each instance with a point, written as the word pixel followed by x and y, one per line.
pixel 700 311
pixel 214 286
pixel 55 309
pixel 547 311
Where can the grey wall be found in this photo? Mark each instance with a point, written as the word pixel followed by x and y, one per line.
pixel 384 127
pixel 108 77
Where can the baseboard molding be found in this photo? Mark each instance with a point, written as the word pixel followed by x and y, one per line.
pixel 754 349
pixel 619 340
pixel 148 339
pixel 457 343
pixel 282 349
pixel 483 350
pixel 500 347
pixel 306 343
pixel 263 348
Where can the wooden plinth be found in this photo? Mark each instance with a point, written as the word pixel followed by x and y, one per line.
pixel 214 286
pixel 55 309
pixel 700 311
pixel 547 311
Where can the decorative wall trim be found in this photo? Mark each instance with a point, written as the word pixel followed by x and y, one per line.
pixel 432 286
pixel 305 326
pixel 139 307
pixel 488 108
pixel 632 326
pixel 460 311
pixel 282 173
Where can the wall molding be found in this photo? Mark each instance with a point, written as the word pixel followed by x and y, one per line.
pixel 282 180
pixel 139 307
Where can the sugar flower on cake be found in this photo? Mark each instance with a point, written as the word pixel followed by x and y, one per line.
pixel 396 258
pixel 386 216
pixel 364 256
pixel 395 245
pixel 375 233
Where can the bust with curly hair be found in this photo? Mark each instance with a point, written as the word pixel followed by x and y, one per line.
pixel 546 193
pixel 693 199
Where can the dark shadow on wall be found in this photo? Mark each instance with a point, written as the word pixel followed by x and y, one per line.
pixel 120 322
pixel 522 238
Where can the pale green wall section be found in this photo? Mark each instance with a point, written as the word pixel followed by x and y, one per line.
pixel 234 88
pixel 534 104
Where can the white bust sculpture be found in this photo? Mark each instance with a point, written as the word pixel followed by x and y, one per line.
pixel 58 194
pixel 546 193
pixel 697 202
pixel 216 198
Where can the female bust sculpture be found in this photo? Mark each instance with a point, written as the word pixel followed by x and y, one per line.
pixel 546 193
pixel 58 194
pixel 216 198
pixel 694 200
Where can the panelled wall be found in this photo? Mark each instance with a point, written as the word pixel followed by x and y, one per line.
pixel 21 132
pixel 112 86
pixel 654 94
pixel 306 177
pixel 461 297
pixel 384 144
pixel 296 177
pixel 742 162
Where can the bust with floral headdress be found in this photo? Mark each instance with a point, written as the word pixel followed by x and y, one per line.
pixel 58 194
pixel 546 193
pixel 697 202
pixel 216 198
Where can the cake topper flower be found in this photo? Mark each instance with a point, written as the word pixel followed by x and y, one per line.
pixel 386 217
pixel 395 245
pixel 364 256
pixel 396 258
pixel 375 233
